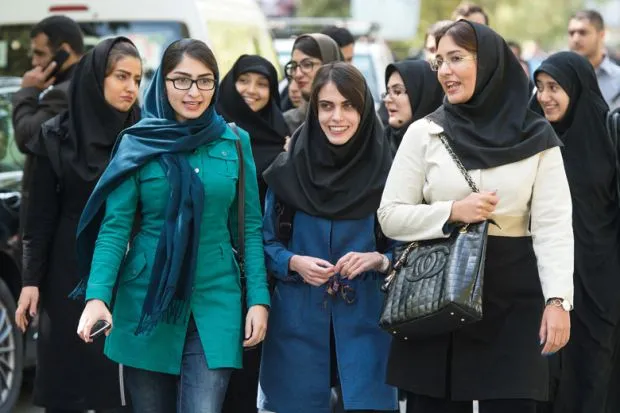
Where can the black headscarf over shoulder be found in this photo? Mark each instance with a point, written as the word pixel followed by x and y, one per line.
pixel 93 124
pixel 266 127
pixel 589 161
pixel 424 91
pixel 329 181
pixel 495 127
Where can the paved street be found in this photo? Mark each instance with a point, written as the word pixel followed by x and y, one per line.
pixel 25 404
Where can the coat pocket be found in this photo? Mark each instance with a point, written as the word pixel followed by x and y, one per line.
pixel 134 267
pixel 223 160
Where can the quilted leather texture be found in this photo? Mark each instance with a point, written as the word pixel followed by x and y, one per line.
pixel 439 287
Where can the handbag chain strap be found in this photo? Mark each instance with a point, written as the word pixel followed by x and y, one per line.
pixel 458 163
pixel 403 257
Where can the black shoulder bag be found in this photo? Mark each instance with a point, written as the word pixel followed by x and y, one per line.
pixel 435 286
pixel 240 251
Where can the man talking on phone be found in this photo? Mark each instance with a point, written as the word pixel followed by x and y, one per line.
pixel 56 45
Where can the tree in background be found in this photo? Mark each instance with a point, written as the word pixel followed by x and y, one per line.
pixel 541 21
pixel 324 8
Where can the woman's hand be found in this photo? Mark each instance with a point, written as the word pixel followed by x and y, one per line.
pixel 476 207
pixel 94 311
pixel 255 325
pixel 27 305
pixel 354 263
pixel 554 329
pixel 314 271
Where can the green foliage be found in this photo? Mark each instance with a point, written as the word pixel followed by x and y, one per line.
pixel 324 8
pixel 544 20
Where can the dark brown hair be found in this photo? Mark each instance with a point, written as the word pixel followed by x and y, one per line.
pixel 196 49
pixel 307 45
pixel 592 16
pixel 119 51
pixel 462 33
pixel 348 80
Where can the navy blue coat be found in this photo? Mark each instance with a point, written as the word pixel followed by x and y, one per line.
pixel 295 370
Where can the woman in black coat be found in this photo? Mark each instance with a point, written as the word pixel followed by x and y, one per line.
pixel 412 92
pixel 71 153
pixel 569 96
pixel 249 98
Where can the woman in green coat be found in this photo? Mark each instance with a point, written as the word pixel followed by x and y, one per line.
pixel 166 244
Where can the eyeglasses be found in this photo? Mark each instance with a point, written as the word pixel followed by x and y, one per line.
pixel 305 66
pixel 452 62
pixel 393 92
pixel 185 83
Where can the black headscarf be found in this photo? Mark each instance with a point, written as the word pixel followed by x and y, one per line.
pixel 329 181
pixel 589 160
pixel 93 124
pixel 266 127
pixel 424 91
pixel 495 127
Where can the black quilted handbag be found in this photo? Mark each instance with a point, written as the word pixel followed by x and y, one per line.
pixel 435 286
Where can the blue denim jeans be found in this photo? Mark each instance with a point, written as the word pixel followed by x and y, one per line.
pixel 197 389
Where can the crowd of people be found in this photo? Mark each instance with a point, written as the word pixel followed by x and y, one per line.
pixel 234 240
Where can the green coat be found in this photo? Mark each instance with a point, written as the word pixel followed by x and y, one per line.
pixel 216 298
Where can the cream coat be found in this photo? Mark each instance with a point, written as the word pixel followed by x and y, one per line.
pixel 534 199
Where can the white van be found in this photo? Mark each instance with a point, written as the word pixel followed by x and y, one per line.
pixel 230 27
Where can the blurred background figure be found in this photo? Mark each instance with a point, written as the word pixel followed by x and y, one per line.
pixel 518 52
pixel 344 39
pixel 586 36
pixel 430 43
pixel 471 12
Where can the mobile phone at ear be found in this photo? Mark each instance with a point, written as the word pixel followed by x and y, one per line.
pixel 99 328
pixel 60 58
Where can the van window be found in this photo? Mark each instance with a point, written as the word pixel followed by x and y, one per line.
pixel 151 39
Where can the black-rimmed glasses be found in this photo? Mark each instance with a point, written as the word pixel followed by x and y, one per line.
pixel 305 66
pixel 185 83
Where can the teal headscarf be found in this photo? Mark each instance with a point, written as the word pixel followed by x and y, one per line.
pixel 158 136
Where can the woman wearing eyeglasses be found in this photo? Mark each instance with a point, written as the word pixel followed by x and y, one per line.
pixel 412 92
pixel 310 52
pixel 329 267
pixel 513 155
pixel 176 322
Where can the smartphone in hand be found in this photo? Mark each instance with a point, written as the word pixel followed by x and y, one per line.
pixel 99 329
pixel 59 58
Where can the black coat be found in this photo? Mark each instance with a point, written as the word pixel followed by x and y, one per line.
pixel 70 373
pixel 31 108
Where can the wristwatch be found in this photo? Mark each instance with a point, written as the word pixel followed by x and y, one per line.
pixel 560 303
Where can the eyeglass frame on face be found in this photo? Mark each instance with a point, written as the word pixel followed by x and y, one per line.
pixel 394 92
pixel 453 61
pixel 292 67
pixel 192 81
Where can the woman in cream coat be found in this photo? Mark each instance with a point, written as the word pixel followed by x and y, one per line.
pixel 513 155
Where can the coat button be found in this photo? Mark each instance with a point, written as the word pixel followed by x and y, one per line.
pixel 196 170
pixel 224 153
